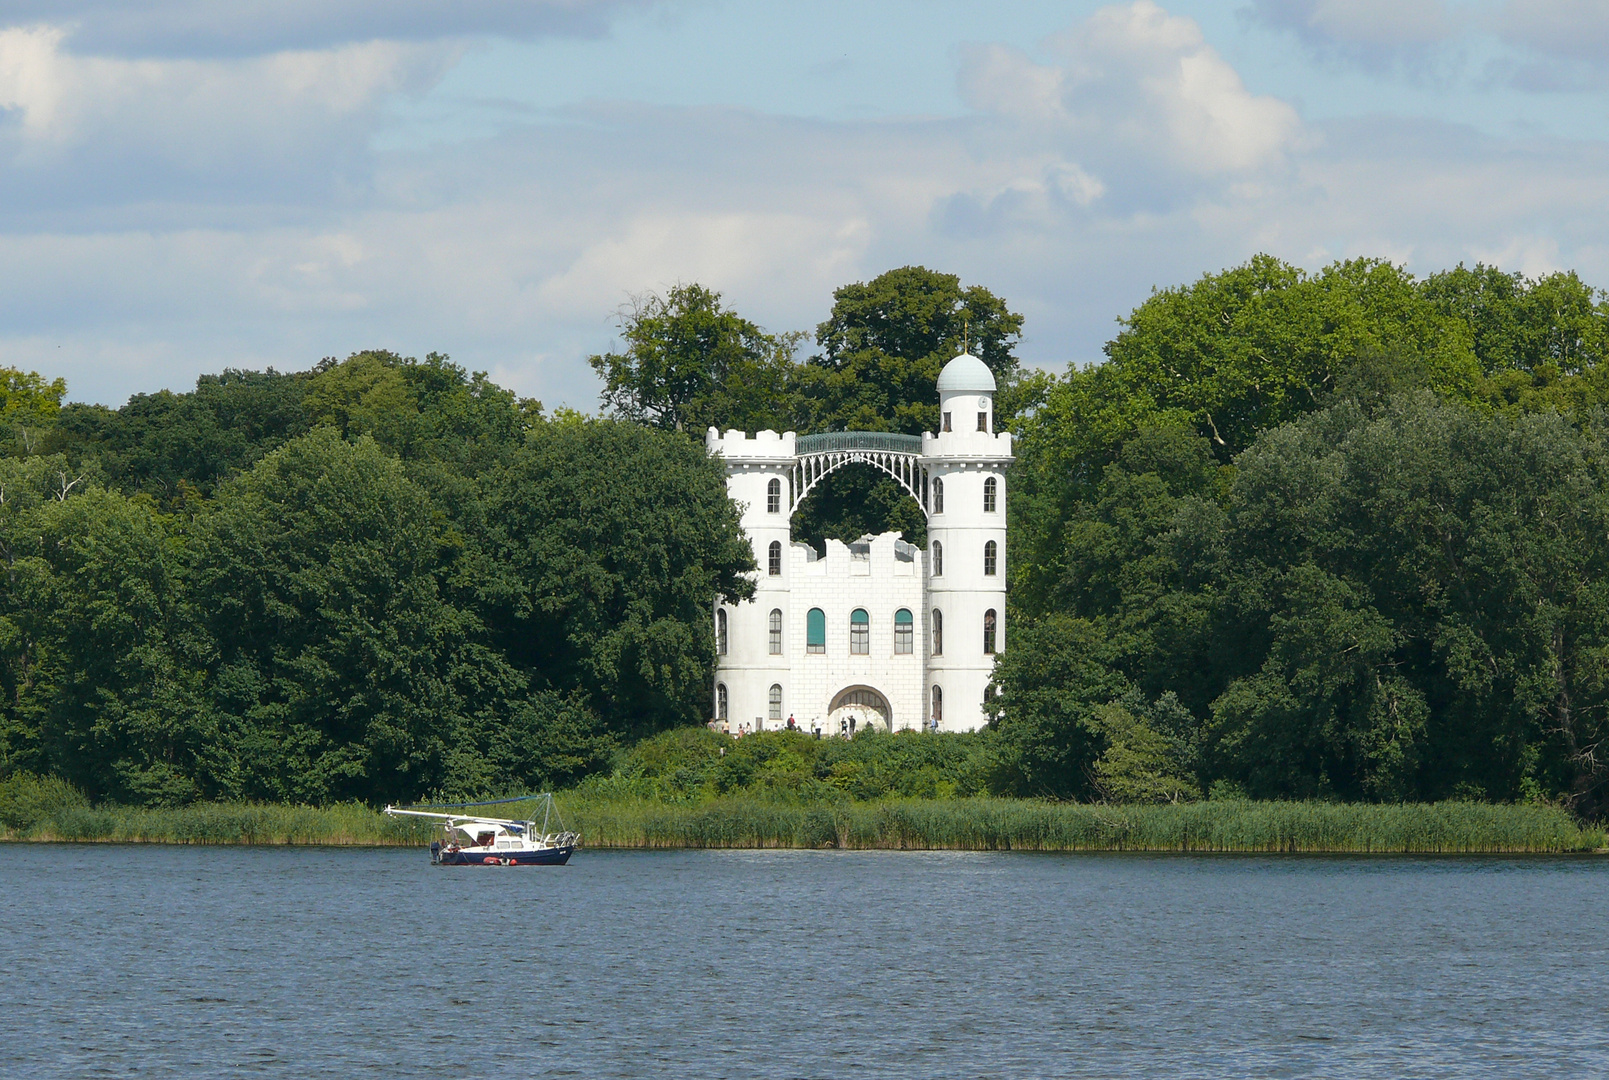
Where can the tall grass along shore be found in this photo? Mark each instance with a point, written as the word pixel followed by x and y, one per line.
pixel 900 824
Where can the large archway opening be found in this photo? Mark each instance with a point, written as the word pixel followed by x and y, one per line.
pixel 854 501
pixel 865 706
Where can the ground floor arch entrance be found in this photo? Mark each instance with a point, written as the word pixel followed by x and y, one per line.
pixel 865 706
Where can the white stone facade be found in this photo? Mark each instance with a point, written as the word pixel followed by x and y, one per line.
pixel 770 665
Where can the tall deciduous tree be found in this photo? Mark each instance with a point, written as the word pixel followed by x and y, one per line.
pixel 691 363
pixel 886 340
pixel 611 540
pixel 336 653
pixel 882 349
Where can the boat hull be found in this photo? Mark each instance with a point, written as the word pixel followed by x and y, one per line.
pixel 556 856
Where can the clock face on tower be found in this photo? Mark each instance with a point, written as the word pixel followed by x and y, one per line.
pixel 983 403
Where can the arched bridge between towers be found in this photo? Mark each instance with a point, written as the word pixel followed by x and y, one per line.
pixel 818 456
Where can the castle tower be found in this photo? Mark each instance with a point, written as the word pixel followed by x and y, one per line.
pixel 752 637
pixel 965 619
pixel 870 633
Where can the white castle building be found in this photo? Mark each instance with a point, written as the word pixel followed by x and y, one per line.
pixel 877 631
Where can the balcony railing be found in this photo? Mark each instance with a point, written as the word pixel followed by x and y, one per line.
pixel 878 441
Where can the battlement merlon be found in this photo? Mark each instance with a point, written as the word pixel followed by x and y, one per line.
pixel 978 446
pixel 762 448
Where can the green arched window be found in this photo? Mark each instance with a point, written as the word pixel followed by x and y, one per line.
pixel 816 631
pixel 860 632
pixel 904 631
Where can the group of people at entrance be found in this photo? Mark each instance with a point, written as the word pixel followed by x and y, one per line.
pixel 847 727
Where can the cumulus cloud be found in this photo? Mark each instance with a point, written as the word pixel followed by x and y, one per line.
pixel 84 134
pixel 1124 153
pixel 1141 109
pixel 1373 34
pixel 216 28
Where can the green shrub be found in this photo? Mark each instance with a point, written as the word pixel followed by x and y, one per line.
pixel 26 800
pixel 694 764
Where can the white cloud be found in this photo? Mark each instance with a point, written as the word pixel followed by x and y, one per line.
pixel 214 28
pixel 1135 81
pixel 30 77
pixel 94 135
pixel 135 251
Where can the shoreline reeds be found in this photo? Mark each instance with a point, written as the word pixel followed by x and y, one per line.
pixel 980 824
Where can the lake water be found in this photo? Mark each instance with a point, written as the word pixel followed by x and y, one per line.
pixel 185 962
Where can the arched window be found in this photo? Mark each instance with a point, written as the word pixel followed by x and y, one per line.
pixel 774 559
pixel 938 495
pixel 720 631
pixel 773 497
pixel 860 632
pixel 989 694
pixel 816 631
pixel 989 488
pixel 938 707
pixel 988 631
pixel 989 551
pixel 904 631
pixel 776 631
pixel 720 702
pixel 938 632
pixel 938 559
pixel 776 701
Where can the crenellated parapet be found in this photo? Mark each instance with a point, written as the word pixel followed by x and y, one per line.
pixel 741 448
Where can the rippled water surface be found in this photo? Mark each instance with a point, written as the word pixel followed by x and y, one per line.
pixel 163 961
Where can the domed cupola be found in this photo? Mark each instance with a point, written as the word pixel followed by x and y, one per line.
pixel 966 393
pixel 966 374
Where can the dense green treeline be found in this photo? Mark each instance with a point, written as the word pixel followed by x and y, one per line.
pixel 375 580
pixel 1340 535
pixel 1335 536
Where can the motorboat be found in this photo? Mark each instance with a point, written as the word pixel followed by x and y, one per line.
pixel 476 840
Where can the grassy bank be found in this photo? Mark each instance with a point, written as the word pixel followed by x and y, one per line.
pixel 1018 825
pixel 958 824
pixel 227 823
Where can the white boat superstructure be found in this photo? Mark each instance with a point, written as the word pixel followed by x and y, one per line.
pixel 476 840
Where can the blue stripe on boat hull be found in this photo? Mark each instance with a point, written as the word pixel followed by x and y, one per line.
pixel 547 857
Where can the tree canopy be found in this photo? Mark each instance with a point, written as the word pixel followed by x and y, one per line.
pixel 1340 534
pixel 379 579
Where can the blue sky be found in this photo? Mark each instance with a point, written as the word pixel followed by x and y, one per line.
pixel 187 185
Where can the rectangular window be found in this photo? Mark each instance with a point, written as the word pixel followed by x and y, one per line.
pixel 983 421
pixel 946 421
